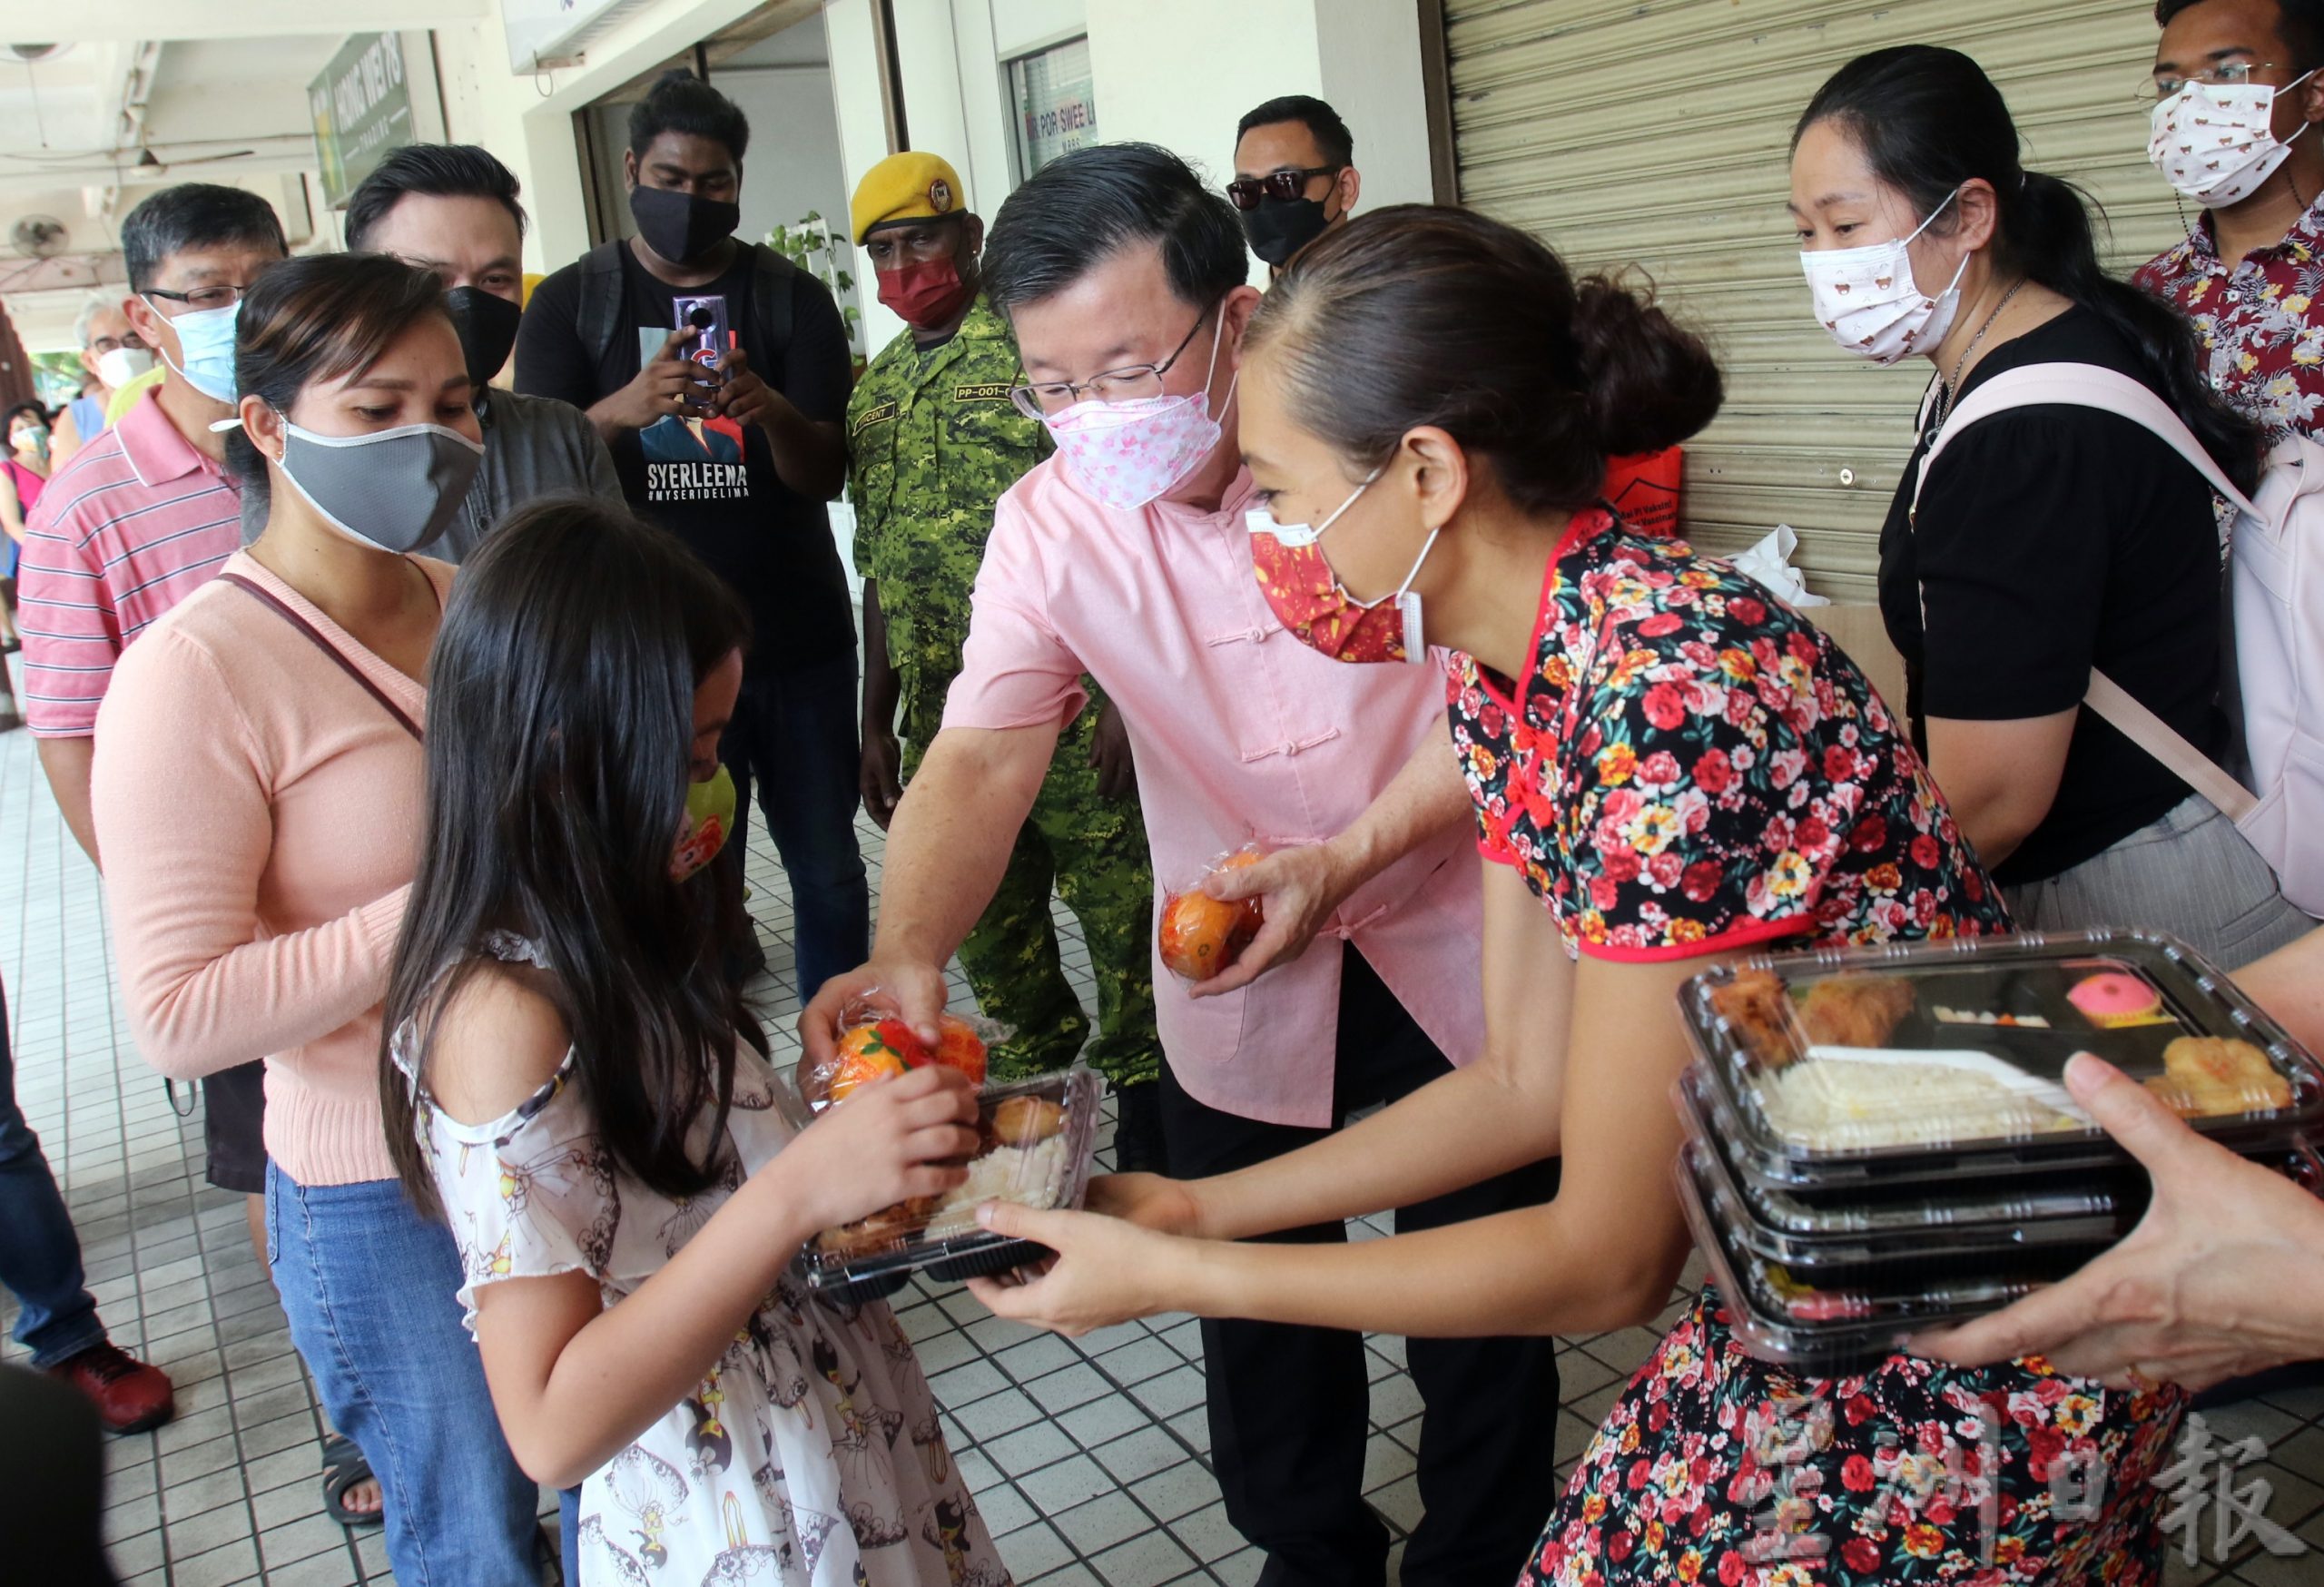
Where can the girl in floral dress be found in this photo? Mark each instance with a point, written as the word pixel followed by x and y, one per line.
pixel 1668 769
pixel 575 1090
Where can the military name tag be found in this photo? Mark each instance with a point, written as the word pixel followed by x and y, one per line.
pixel 880 415
pixel 996 392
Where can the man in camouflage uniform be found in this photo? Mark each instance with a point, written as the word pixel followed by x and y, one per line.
pixel 933 442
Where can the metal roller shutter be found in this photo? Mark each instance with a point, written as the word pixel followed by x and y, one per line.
pixel 1657 132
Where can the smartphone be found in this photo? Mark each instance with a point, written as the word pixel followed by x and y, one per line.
pixel 706 318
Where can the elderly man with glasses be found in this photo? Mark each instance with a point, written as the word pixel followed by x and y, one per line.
pixel 111 357
pixel 1127 558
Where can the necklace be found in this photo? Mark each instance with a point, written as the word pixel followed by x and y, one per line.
pixel 1952 387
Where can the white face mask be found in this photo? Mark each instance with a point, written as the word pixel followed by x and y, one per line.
pixel 1867 296
pixel 117 367
pixel 2216 142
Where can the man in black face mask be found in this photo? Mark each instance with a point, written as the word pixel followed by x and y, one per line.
pixel 724 419
pixel 1295 176
pixel 451 208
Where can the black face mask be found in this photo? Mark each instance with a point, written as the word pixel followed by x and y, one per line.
pixel 1277 229
pixel 486 323
pixel 680 227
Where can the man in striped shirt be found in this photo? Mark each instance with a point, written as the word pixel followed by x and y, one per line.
pixel 146 513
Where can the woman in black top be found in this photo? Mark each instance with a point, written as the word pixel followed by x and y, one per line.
pixel 2049 541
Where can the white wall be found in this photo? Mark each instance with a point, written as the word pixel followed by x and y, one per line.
pixel 1370 55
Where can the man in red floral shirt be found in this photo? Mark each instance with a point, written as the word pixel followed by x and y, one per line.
pixel 2249 68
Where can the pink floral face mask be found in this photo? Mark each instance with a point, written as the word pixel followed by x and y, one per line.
pixel 1128 454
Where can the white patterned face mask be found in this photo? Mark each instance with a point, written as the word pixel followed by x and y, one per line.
pixel 1867 299
pixel 2216 142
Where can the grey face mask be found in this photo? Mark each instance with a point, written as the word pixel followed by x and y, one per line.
pixel 397 490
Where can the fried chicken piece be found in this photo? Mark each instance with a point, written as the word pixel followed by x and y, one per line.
pixel 1854 1010
pixel 1759 1011
pixel 881 1229
pixel 2206 1076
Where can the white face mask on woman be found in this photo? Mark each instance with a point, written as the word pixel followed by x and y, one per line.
pixel 1867 299
pixel 2216 142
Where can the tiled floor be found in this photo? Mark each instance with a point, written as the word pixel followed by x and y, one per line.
pixel 1089 1459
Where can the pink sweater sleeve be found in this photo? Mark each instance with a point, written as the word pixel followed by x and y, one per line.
pixel 183 820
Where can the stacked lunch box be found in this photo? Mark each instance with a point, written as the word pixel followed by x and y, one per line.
pixel 1880 1140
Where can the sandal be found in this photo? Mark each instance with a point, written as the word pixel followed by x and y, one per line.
pixel 343 1468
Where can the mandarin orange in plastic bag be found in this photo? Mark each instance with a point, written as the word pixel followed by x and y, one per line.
pixel 1201 935
pixel 889 1047
pixel 870 1052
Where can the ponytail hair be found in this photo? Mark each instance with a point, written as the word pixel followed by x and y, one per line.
pixel 1416 315
pixel 1928 119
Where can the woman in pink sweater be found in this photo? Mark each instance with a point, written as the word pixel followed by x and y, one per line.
pixel 257 791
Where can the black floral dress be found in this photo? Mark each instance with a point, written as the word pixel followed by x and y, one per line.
pixel 1690 769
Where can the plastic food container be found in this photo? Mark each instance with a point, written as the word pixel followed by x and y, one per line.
pixel 1832 1073
pixel 2117 1194
pixel 1038 1137
pixel 1836 1320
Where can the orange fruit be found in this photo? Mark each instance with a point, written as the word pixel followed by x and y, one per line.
pixel 1200 936
pixel 960 1046
pixel 870 1052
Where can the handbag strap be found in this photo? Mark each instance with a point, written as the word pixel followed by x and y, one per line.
pixel 315 637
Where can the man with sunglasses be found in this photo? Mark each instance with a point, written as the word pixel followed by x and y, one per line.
pixel 1295 176
pixel 1127 558
pixel 933 442
pixel 2251 271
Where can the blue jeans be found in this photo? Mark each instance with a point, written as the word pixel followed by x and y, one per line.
pixel 797 734
pixel 40 1256
pixel 368 1288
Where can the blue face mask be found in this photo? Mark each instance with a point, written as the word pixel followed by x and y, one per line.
pixel 206 339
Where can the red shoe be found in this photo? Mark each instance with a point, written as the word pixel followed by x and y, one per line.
pixel 129 1396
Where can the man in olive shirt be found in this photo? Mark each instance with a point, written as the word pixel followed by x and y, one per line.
pixel 934 441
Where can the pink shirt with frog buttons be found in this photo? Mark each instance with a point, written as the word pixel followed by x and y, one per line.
pixel 1240 731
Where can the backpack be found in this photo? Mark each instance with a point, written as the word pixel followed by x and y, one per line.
pixel 2277 615
pixel 774 281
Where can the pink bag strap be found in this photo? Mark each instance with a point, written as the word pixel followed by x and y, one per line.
pixel 2081 386
pixel 2089 386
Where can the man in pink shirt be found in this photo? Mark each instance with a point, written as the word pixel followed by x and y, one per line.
pixel 144 513
pixel 1127 557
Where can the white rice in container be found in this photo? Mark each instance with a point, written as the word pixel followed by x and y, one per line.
pixel 1028 1176
pixel 1832 1105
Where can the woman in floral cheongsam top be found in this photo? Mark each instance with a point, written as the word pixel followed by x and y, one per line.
pixel 1668 770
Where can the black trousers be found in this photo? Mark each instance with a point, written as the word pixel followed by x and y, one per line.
pixel 1289 1405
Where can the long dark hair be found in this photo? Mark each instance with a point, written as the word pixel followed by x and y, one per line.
pixel 1928 119
pixel 317 318
pixel 560 711
pixel 1416 315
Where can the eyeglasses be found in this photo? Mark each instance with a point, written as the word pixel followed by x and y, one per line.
pixel 1133 383
pixel 201 299
pixel 105 344
pixel 2229 75
pixel 1284 186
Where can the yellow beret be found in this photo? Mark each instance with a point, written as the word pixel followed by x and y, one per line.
pixel 909 186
